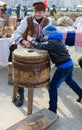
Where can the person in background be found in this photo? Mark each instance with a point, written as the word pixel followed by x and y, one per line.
pixel 25 10
pixel 53 42
pixel 18 10
pixel 32 26
pixel 53 12
pixel 4 16
pixel 8 11
pixel 22 13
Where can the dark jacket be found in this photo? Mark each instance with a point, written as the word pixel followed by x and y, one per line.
pixel 56 48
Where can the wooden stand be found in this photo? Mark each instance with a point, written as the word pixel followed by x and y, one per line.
pixel 10 81
pixel 31 68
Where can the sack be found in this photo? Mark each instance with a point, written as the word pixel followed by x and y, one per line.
pixel 80 61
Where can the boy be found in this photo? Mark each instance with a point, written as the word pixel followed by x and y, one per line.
pixel 61 58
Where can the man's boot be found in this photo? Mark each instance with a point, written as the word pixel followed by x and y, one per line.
pixel 20 97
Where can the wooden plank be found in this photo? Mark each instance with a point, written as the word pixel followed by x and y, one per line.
pixel 48 118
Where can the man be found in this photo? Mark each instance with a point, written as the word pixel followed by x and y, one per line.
pixel 31 26
pixel 53 42
pixel 18 10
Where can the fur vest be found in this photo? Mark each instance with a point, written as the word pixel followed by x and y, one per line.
pixel 31 29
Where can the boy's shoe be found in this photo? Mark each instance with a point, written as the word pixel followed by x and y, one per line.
pixel 79 99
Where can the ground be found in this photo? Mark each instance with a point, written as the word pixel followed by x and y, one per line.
pixel 69 111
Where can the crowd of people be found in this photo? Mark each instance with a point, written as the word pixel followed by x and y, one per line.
pixel 21 11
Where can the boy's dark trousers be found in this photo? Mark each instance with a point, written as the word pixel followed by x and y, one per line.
pixel 61 75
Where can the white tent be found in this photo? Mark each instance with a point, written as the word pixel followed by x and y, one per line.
pixel 79 6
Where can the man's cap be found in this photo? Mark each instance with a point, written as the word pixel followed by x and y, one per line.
pixel 39 6
pixel 48 30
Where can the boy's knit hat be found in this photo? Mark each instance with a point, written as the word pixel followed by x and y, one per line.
pixel 48 30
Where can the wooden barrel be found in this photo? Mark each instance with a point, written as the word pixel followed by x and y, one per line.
pixel 10 81
pixel 31 67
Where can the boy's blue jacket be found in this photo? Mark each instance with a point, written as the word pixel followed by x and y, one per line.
pixel 55 46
